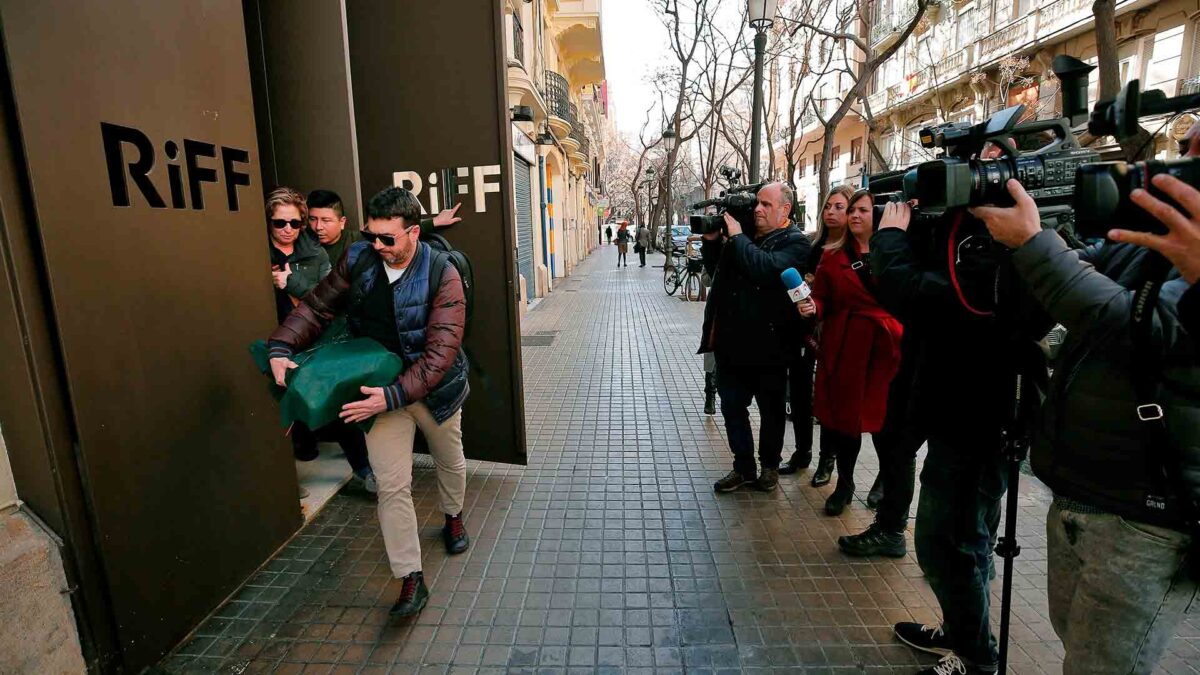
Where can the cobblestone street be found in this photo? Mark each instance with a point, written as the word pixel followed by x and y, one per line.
pixel 610 551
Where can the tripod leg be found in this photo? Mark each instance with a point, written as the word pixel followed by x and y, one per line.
pixel 1007 548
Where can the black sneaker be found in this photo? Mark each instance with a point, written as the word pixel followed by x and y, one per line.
pixel 872 542
pixel 768 480
pixel 454 535
pixel 710 403
pixel 842 495
pixel 732 481
pixel 924 637
pixel 949 665
pixel 875 496
pixel 413 596
pixel 798 462
pixel 824 472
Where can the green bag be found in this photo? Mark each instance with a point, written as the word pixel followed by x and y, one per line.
pixel 329 376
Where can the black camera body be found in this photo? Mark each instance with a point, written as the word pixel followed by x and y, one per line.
pixel 1107 186
pixel 738 201
pixel 960 178
pixel 1104 187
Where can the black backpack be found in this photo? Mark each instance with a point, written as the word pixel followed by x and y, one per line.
pixel 446 254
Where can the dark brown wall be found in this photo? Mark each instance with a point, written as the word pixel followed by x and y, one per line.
pixel 189 481
pixel 429 94
pixel 300 76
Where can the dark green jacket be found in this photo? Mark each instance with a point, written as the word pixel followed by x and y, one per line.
pixel 337 249
pixel 309 264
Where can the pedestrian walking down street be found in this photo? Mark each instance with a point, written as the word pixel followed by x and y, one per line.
pixel 643 243
pixel 410 298
pixel 800 375
pixel 754 331
pixel 623 237
pixel 860 347
pixel 608 233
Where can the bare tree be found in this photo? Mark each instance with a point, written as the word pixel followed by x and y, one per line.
pixel 689 26
pixel 727 68
pixel 858 60
pixel 1139 146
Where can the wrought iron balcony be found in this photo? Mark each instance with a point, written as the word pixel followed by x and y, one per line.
pixel 557 96
pixel 518 41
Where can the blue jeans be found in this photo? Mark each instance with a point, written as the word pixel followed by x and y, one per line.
pixel 1118 589
pixel 962 484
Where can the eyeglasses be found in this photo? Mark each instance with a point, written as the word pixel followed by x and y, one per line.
pixel 385 239
pixel 280 223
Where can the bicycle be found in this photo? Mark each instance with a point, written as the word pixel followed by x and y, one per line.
pixel 687 276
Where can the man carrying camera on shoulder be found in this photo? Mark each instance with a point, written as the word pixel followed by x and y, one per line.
pixel 965 369
pixel 754 330
pixel 1119 442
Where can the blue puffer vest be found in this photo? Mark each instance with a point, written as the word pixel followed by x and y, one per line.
pixel 411 298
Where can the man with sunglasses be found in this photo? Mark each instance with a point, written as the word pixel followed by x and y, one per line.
pixel 395 289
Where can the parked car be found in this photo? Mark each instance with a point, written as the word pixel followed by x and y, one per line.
pixel 679 236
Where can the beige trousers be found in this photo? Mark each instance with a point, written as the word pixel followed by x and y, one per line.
pixel 390 448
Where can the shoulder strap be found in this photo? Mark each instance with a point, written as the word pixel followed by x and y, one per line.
pixel 860 267
pixel 1147 372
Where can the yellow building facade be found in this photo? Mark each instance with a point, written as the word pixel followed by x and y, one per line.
pixel 556 87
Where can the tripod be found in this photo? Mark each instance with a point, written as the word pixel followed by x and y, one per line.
pixel 1016 448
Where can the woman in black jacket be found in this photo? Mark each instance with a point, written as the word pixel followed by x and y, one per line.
pixel 831 228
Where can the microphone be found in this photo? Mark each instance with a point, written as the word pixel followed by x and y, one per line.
pixel 797 289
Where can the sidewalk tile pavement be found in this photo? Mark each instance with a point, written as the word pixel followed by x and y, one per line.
pixel 610 553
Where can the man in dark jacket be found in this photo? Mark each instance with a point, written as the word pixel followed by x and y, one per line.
pixel 755 331
pixel 963 389
pixel 410 298
pixel 1122 458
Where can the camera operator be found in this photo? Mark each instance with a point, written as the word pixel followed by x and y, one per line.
pixel 1116 532
pixel 754 330
pixel 962 395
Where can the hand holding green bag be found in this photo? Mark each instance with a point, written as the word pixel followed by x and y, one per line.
pixel 329 375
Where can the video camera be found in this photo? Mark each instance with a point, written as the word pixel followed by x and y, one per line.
pixel 738 201
pixel 1104 187
pixel 1069 183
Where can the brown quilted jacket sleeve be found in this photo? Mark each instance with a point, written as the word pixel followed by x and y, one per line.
pixel 304 325
pixel 443 340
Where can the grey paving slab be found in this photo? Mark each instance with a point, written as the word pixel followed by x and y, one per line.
pixel 610 553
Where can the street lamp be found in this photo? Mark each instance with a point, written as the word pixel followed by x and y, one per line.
pixel 649 195
pixel 669 140
pixel 761 15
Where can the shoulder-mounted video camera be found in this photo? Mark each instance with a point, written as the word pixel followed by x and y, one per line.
pixel 1069 183
pixel 738 201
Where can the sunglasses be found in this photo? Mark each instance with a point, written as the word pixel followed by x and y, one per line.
pixel 385 239
pixel 280 223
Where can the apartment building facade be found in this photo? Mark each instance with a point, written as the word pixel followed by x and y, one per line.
pixel 556 76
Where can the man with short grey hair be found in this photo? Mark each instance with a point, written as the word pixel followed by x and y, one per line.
pixel 754 330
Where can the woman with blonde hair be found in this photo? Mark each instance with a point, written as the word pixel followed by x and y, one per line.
pixel 860 347
pixel 830 228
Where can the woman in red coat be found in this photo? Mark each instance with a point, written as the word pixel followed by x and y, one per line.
pixel 860 347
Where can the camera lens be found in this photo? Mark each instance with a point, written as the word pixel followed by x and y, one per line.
pixel 990 181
